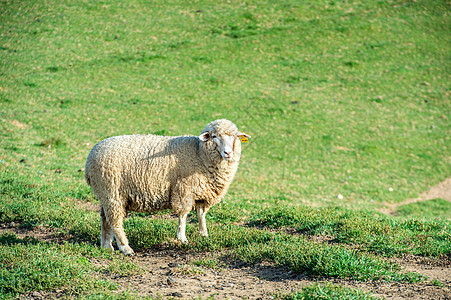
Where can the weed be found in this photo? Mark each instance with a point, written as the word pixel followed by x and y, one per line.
pixel 211 263
pixel 186 269
pixel 437 282
pixel 53 142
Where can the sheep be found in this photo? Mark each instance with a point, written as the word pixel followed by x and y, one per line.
pixel 147 173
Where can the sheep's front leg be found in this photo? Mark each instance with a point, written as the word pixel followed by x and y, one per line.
pixel 201 212
pixel 182 203
pixel 181 229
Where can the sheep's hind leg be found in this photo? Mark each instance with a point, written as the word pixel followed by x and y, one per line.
pixel 181 229
pixel 106 232
pixel 116 221
pixel 201 212
pixel 122 241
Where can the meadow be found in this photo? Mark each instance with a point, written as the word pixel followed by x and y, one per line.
pixel 347 102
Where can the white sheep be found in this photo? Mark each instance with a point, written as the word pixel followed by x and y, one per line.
pixel 146 173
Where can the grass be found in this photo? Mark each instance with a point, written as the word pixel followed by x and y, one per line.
pixel 315 259
pixel 329 291
pixel 210 263
pixel 29 265
pixel 340 98
pixel 368 231
pixel 434 208
pixel 249 244
pixel 328 87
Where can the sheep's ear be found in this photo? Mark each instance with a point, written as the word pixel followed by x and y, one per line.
pixel 205 136
pixel 243 136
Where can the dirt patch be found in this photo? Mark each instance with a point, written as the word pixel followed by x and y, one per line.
pixel 41 233
pixel 441 190
pixel 171 273
pixel 433 268
pixel 88 206
pixel 18 124
pixel 262 281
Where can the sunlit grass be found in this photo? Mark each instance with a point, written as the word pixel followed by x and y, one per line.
pixel 29 265
pixel 329 291
pixel 368 231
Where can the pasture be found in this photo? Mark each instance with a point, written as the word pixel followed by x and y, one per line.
pixel 348 105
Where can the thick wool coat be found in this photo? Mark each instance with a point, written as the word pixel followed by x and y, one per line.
pixel 147 173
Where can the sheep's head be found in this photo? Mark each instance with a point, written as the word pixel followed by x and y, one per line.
pixel 226 138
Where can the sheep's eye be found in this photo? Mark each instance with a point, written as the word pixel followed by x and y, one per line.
pixel 213 136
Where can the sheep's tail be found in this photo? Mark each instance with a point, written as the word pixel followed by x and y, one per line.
pixel 88 169
pixel 88 180
pixel 87 177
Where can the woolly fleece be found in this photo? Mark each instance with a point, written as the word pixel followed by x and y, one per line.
pixel 146 173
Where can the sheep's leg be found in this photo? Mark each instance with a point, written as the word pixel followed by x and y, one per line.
pixel 122 241
pixel 181 229
pixel 115 218
pixel 182 203
pixel 106 232
pixel 201 212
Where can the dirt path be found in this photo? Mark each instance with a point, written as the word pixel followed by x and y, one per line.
pixel 172 274
pixel 441 190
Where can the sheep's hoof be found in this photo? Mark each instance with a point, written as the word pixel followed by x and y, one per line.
pixel 127 250
pixel 183 241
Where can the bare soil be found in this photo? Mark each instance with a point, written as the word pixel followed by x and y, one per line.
pixel 441 190
pixel 263 281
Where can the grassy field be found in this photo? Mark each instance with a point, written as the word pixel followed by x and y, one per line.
pixel 347 102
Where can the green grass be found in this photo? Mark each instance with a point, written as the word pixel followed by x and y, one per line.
pixel 329 291
pixel 320 260
pixel 210 263
pixel 434 208
pixel 29 265
pixel 340 98
pixel 248 244
pixel 368 231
